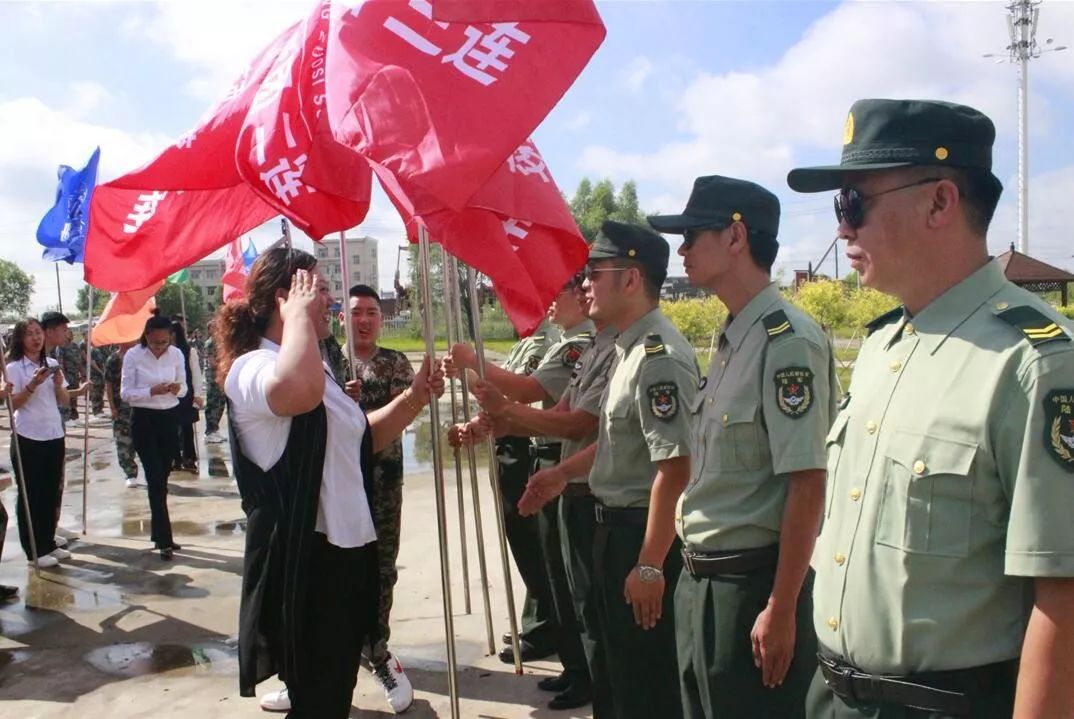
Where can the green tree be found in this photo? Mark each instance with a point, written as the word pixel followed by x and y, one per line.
pixel 696 318
pixel 169 304
pixel 865 305
pixel 627 208
pixel 825 301
pixel 16 288
pixel 580 202
pixel 100 299
pixel 593 204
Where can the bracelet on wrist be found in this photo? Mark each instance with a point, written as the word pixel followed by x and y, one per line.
pixel 408 397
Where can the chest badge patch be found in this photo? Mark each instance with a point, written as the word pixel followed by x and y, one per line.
pixel 664 400
pixel 1059 427
pixel 571 356
pixel 794 391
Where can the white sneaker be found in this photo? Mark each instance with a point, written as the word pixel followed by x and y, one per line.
pixel 45 561
pixel 278 701
pixel 393 680
pixel 59 553
pixel 59 541
pixel 214 438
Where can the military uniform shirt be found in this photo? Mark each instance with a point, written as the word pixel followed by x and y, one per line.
pixel 643 417
pixel 586 387
pixel 554 371
pixel 385 376
pixel 950 482
pixel 113 369
pixel 762 413
pixel 526 354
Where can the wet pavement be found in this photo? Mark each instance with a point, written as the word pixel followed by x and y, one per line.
pixel 117 632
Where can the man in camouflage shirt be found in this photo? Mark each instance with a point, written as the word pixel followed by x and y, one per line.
pixel 98 357
pixel 214 396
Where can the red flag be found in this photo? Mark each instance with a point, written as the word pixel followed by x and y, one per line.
pixel 234 277
pixel 276 139
pixel 123 319
pixel 441 103
pixel 517 230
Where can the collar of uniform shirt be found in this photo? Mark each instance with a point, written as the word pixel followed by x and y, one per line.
pixel 736 328
pixel 934 324
pixel 631 335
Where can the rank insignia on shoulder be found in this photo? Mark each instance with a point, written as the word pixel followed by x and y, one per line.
pixel 571 355
pixel 654 345
pixel 777 324
pixel 664 400
pixel 1059 427
pixel 538 338
pixel 1034 324
pixel 794 391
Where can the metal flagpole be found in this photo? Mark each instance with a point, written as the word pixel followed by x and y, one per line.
pixel 497 498
pixel 438 474
pixel 20 476
pixel 182 304
pixel 86 416
pixel 345 274
pixel 471 457
pixel 450 288
pixel 59 295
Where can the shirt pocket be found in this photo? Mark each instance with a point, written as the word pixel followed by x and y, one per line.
pixel 833 446
pixel 926 506
pixel 739 444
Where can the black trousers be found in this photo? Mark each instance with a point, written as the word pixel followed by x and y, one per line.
pixel 337 602
pixel 568 639
pixel 643 666
pixel 155 433
pixel 186 451
pixel 43 463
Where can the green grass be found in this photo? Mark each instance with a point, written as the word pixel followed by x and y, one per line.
pixel 413 344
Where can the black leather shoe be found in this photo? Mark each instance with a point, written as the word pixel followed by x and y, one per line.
pixel 529 653
pixel 166 554
pixel 557 684
pixel 7 593
pixel 506 638
pixel 571 699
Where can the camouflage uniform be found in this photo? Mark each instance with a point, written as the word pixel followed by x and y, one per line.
pixel 121 425
pixel 214 396
pixel 99 356
pixel 384 376
pixel 332 353
pixel 68 356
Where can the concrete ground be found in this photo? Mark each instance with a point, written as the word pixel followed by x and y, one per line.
pixel 116 632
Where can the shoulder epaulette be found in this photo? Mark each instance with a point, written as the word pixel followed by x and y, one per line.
pixel 583 336
pixel 1034 324
pixel 777 324
pixel 654 345
pixel 885 319
pixel 537 338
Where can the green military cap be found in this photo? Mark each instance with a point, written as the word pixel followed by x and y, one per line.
pixel 887 134
pixel 717 201
pixel 631 242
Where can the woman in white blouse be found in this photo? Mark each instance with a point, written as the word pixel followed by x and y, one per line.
pixel 302 452
pixel 152 380
pixel 38 392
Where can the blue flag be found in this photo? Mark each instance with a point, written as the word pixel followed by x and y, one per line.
pixel 249 255
pixel 63 229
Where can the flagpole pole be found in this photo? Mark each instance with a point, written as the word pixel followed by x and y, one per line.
pixel 471 459
pixel 286 232
pixel 59 295
pixel 449 311
pixel 438 475
pixel 182 303
pixel 20 476
pixel 85 424
pixel 497 498
pixel 345 273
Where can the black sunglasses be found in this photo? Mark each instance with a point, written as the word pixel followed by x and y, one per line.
pixel 850 203
pixel 689 237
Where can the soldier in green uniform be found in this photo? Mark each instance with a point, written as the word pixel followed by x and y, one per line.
pixel 98 357
pixel 637 468
pixel 750 515
pixel 944 569
pixel 547 385
pixel 121 415
pixel 215 402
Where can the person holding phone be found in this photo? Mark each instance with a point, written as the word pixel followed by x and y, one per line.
pixel 152 381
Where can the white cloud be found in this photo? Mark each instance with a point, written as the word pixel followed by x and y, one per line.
pixel 86 97
pixel 579 121
pixel 636 73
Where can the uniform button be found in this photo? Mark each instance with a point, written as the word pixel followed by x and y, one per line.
pixel 896 366
pixel 908 329
pixel 840 558
pixel 723 363
pixel 709 400
pixel 833 623
pixel 1002 305
pixel 855 494
pixel 870 427
pixel 725 418
pixel 919 467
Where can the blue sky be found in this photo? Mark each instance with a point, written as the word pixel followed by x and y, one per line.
pixel 680 88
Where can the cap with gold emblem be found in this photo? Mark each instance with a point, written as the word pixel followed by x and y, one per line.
pixel 716 202
pixel 887 134
pixel 618 240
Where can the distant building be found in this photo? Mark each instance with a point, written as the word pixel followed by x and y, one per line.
pixel 679 288
pixel 362 263
pixel 205 277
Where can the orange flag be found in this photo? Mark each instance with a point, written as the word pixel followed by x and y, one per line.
pixel 124 317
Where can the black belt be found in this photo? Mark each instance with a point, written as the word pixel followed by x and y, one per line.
pixel 915 691
pixel 577 489
pixel 632 516
pixel 545 451
pixel 734 562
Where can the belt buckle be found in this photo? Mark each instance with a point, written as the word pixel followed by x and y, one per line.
pixel 598 513
pixel 843 683
pixel 688 563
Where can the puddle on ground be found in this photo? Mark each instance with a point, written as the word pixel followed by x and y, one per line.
pixel 183 528
pixel 142 658
pixel 218 467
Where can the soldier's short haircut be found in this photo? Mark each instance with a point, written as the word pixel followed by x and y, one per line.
pixel 364 291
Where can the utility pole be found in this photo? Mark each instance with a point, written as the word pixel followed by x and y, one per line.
pixel 1022 17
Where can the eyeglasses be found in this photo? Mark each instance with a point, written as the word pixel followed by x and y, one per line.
pixel 588 272
pixel 850 203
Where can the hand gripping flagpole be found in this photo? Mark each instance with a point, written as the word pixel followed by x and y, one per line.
pixel 438 474
pixel 450 288
pixel 494 478
pixel 86 416
pixel 471 456
pixel 20 476
pixel 345 273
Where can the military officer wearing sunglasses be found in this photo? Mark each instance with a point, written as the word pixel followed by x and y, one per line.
pixel 944 568
pixel 750 515
pixel 637 468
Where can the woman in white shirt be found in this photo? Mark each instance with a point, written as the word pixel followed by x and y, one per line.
pixel 151 382
pixel 302 452
pixel 38 392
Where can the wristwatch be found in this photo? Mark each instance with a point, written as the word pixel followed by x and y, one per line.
pixel 649 574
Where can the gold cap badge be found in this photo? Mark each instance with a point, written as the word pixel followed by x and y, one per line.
pixel 631 253
pixel 848 129
pixel 736 216
pixel 941 153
